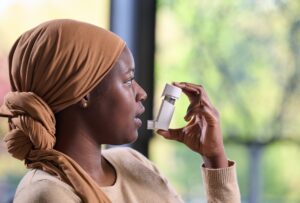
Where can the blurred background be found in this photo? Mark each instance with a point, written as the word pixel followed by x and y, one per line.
pixel 246 53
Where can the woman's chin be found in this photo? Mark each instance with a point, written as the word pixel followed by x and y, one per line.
pixel 125 139
pixel 132 138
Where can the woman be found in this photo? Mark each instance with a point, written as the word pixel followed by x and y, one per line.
pixel 73 89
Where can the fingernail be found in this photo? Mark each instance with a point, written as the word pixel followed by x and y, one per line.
pixel 187 118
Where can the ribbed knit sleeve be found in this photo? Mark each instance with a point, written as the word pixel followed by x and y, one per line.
pixel 221 185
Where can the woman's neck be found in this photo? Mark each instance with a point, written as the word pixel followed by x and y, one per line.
pixel 87 153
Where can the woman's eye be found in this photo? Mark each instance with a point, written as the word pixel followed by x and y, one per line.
pixel 129 82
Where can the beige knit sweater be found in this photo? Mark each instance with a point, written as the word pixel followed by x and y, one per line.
pixel 138 181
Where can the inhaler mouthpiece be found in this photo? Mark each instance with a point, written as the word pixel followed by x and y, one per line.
pixel 164 117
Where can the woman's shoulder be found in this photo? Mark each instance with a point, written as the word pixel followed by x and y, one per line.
pixel 125 151
pixel 141 174
pixel 40 186
pixel 127 156
pixel 133 164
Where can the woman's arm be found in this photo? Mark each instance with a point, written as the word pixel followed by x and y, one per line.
pixel 203 135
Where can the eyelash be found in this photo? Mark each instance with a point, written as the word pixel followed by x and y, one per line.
pixel 130 81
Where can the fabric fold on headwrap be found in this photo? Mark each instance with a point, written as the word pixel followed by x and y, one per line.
pixel 51 67
pixel 32 123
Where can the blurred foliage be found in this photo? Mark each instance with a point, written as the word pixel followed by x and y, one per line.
pixel 246 55
pixel 241 53
pixel 281 172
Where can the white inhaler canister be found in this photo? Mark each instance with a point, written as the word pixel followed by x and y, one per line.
pixel 164 117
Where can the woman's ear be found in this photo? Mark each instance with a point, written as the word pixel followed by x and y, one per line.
pixel 85 101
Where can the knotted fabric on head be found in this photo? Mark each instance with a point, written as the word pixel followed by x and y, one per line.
pixel 51 67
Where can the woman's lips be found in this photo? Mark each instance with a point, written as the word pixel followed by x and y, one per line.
pixel 138 122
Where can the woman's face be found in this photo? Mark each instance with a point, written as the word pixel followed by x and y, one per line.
pixel 115 104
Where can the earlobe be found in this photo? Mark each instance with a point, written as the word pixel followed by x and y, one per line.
pixel 85 101
pixel 85 104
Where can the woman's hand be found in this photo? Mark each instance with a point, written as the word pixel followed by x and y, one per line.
pixel 203 132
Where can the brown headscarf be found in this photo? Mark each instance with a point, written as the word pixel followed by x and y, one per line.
pixel 51 67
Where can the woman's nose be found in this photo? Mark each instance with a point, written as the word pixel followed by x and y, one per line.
pixel 141 95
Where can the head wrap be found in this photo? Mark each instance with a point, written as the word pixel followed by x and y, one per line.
pixel 51 67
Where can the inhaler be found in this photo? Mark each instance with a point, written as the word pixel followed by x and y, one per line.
pixel 163 120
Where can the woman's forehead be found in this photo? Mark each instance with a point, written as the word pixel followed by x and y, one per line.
pixel 125 62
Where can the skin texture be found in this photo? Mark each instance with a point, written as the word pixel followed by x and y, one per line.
pixel 111 117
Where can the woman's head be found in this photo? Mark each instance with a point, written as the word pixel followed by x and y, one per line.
pixel 51 67
pixel 113 106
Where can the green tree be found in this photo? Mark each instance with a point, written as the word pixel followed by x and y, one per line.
pixel 246 54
